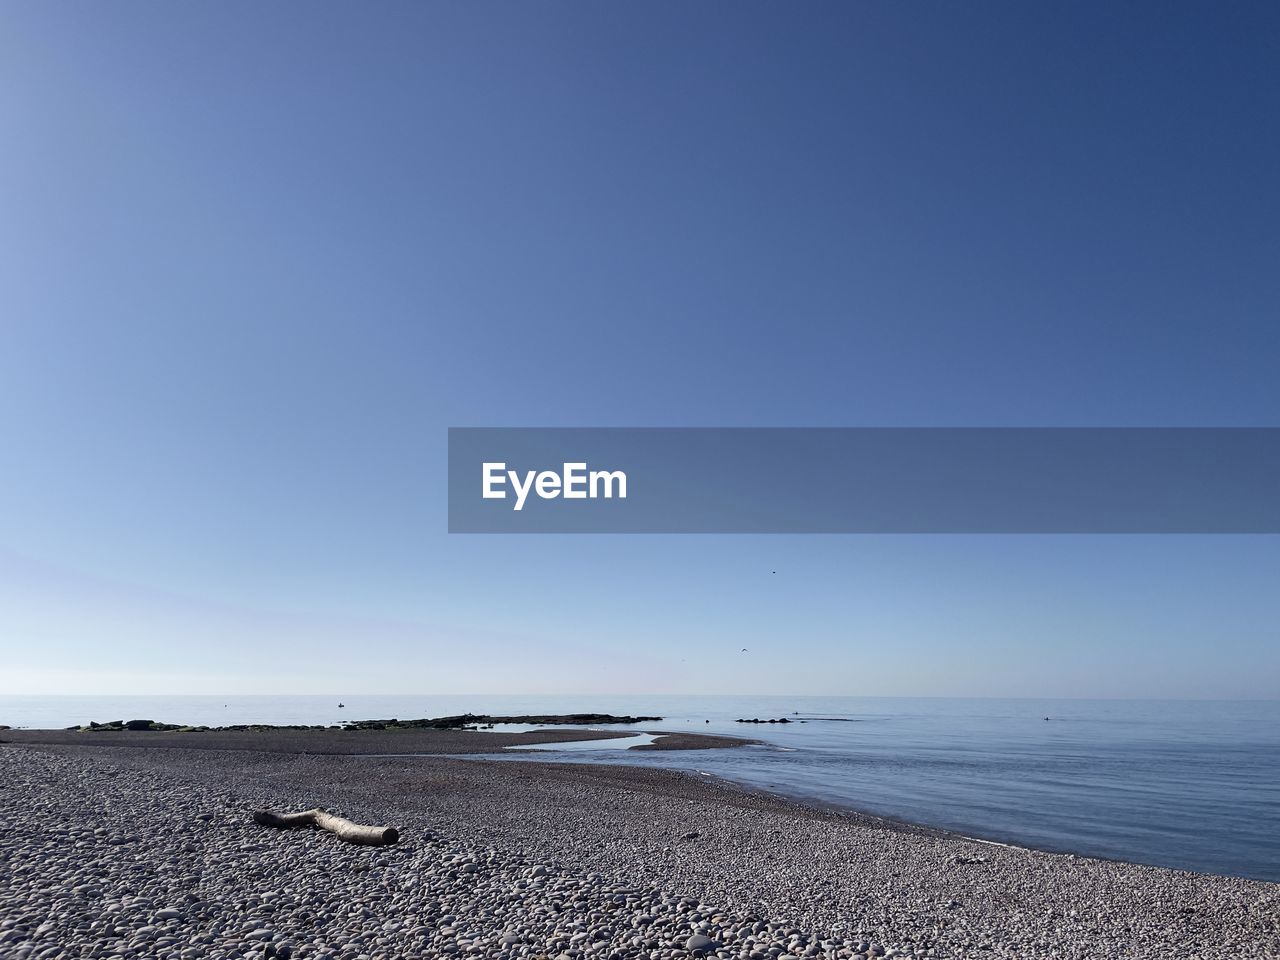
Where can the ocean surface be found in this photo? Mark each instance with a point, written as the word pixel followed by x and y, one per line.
pixel 1187 784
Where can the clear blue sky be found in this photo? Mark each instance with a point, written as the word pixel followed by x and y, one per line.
pixel 256 258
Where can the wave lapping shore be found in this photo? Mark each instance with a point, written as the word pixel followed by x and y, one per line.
pixel 151 852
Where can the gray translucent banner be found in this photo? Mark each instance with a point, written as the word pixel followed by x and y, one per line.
pixel 864 480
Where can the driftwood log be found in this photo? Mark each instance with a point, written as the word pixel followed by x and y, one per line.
pixel 340 827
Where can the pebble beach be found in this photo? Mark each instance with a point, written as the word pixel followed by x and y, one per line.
pixel 144 848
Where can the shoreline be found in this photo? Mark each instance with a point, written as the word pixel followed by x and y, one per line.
pixel 459 744
pixel 497 743
pixel 456 743
pixel 835 808
pixel 830 875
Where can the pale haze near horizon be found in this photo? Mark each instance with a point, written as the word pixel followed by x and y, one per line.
pixel 253 264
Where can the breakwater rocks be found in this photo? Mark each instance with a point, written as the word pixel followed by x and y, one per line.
pixel 466 720
pixel 463 721
pixel 758 720
pixel 115 726
pixel 162 868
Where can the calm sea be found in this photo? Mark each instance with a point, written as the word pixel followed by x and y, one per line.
pixel 1188 784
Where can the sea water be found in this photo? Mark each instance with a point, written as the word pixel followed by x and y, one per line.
pixel 1187 784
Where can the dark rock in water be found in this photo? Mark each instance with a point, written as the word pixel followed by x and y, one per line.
pixel 758 720
pixel 115 726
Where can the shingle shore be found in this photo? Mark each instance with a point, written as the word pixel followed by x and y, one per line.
pixel 123 852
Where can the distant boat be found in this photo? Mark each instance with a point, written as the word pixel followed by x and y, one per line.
pixel 341 705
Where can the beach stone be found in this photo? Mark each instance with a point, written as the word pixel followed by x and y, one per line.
pixel 561 866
